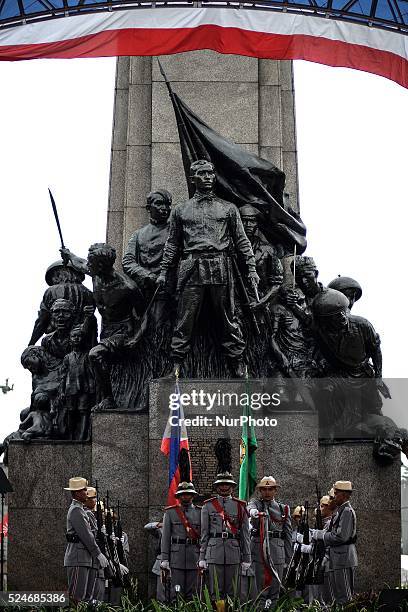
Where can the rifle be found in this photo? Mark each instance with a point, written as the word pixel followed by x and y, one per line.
pixel 304 557
pixel 290 576
pixel 247 302
pixel 113 553
pixel 319 550
pixel 166 582
pixel 101 537
pixel 119 545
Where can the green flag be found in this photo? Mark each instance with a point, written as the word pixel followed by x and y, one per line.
pixel 247 472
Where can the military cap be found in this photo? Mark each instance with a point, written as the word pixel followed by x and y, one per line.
pixel 325 500
pixel 331 493
pixel 342 283
pixel 303 264
pixel 185 487
pixel 343 485
pixel 76 484
pixel 249 211
pixel 224 478
pixel 329 302
pixel 267 482
pixel 91 492
pixel 57 265
pixel 298 511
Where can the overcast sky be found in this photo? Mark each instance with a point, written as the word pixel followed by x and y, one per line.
pixel 56 122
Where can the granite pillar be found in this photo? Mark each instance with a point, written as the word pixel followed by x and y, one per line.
pixel 120 464
pixel 38 472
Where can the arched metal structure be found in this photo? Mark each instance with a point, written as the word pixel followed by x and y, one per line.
pixel 385 14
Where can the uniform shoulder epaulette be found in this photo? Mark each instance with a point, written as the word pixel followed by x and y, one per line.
pixel 209 499
pixel 240 501
pixel 169 507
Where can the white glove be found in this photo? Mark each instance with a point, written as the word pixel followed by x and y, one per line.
pixel 254 513
pixel 123 569
pixel 299 538
pixel 245 566
pixel 165 565
pixel 317 534
pixel 306 548
pixel 203 564
pixel 102 560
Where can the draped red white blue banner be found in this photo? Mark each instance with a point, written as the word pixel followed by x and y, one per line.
pixel 256 33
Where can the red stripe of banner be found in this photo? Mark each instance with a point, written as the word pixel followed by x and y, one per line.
pixel 165 41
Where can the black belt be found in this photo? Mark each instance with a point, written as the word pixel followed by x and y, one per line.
pixel 225 535
pixel 204 255
pixel 272 534
pixel 184 541
pixel 72 537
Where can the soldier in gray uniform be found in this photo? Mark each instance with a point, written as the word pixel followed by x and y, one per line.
pixel 340 538
pixel 83 557
pixel 225 545
pixel 180 544
pixel 89 507
pixel 277 530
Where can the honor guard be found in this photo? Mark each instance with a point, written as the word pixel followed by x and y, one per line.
pixel 297 514
pixel 180 544
pixel 340 538
pixel 155 529
pixel 89 507
pixel 83 557
pixel 225 544
pixel 271 539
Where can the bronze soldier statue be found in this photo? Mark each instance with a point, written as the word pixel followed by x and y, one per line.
pixel 117 297
pixel 349 287
pixel 144 252
pixel 206 233
pixel 268 264
pixel 64 282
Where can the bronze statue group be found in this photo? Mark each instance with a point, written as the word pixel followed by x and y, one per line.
pixel 205 294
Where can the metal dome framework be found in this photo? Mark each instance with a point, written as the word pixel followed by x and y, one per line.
pixel 391 15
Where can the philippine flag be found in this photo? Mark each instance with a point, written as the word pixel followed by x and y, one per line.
pixel 174 440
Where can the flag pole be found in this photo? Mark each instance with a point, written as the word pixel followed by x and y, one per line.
pixel 179 116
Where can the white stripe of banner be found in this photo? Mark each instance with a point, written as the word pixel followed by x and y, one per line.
pixel 67 28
